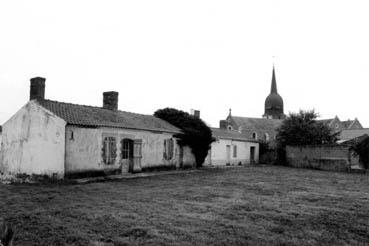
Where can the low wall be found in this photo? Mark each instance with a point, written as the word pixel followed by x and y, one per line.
pixel 333 158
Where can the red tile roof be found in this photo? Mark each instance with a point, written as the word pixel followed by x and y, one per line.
pixel 90 116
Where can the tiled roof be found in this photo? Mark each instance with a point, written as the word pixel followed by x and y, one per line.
pixel 99 117
pixel 230 134
pixel 257 123
pixel 347 124
pixel 326 121
pixel 353 133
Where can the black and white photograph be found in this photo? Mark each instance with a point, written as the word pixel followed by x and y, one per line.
pixel 197 122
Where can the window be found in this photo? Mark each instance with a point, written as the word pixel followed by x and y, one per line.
pixel 126 148
pixel 109 150
pixel 168 149
pixel 71 135
pixel 254 135
pixel 230 127
pixel 234 151
pixel 337 126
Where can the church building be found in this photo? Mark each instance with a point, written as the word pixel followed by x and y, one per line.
pixel 264 128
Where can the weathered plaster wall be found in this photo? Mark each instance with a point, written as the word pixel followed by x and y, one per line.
pixel 84 150
pixel 218 153
pixel 33 142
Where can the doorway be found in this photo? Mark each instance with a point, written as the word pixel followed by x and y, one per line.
pixel 228 153
pixel 126 155
pixel 252 154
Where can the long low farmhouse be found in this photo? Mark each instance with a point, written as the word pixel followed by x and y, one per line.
pixel 60 139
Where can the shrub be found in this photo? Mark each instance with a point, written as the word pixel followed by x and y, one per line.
pixel 361 149
pixel 196 134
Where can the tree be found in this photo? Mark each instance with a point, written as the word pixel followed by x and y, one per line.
pixel 196 134
pixel 300 129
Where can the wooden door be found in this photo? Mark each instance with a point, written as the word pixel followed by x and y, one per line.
pixel 252 154
pixel 228 154
pixel 137 155
pixel 127 155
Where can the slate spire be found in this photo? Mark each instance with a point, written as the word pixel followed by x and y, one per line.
pixel 274 83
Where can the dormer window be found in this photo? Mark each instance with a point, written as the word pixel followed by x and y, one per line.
pixel 230 127
pixel 254 135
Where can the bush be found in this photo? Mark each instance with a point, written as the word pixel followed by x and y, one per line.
pixel 196 134
pixel 361 149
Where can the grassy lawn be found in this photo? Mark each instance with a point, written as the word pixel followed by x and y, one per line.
pixel 234 206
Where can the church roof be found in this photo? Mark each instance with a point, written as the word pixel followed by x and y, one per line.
pixel 89 116
pixel 230 134
pixel 347 124
pixel 257 123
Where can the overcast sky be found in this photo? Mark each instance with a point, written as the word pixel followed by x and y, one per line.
pixel 207 55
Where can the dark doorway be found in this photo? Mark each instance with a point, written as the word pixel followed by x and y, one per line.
pixel 127 155
pixel 252 154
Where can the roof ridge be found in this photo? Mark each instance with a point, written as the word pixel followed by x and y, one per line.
pixel 96 107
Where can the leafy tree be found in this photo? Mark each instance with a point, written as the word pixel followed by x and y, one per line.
pixel 300 129
pixel 196 134
pixel 361 149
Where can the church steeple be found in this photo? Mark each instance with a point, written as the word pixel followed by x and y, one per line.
pixel 274 102
pixel 274 83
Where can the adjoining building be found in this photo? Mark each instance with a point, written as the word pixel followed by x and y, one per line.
pixel 232 148
pixel 61 139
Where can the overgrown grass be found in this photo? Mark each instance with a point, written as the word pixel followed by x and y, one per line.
pixel 234 206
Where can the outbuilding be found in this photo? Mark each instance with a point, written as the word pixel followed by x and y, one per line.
pixel 232 148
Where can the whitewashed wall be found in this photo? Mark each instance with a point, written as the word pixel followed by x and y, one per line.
pixel 84 151
pixel 217 155
pixel 33 142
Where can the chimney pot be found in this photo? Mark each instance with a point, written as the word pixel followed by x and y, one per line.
pixel 195 113
pixel 223 124
pixel 110 100
pixel 37 90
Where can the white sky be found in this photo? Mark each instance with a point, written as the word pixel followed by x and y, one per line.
pixel 208 55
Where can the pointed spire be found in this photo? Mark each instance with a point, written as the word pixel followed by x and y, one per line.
pixel 230 112
pixel 274 83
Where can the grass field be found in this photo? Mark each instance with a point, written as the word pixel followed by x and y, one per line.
pixel 264 205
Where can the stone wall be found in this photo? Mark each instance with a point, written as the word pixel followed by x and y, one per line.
pixel 334 158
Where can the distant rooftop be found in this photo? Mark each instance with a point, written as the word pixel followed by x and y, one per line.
pixel 231 135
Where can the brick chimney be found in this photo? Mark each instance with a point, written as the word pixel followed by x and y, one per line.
pixel 195 113
pixel 223 124
pixel 110 100
pixel 37 90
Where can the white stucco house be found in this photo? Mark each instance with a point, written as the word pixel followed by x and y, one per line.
pixel 232 148
pixel 61 139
